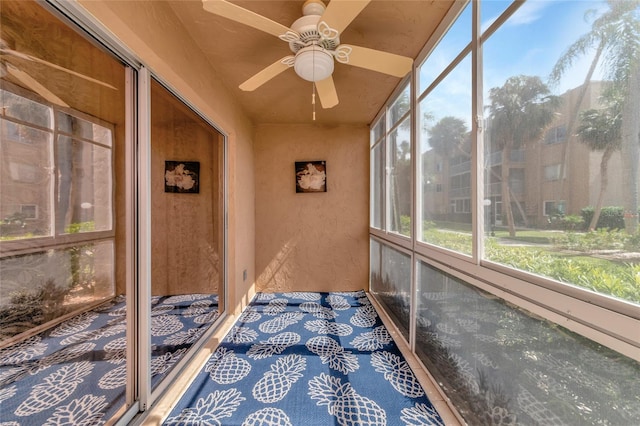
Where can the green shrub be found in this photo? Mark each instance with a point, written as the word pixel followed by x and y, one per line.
pixel 632 243
pixel 611 217
pixel 600 239
pixel 571 222
pixel 405 225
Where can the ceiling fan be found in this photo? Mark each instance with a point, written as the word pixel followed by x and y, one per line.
pixel 314 40
pixel 9 65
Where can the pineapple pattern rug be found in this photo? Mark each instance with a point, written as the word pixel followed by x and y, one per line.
pixel 75 373
pixel 306 359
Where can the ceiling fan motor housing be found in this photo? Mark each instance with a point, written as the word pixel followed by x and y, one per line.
pixel 313 62
pixel 307 27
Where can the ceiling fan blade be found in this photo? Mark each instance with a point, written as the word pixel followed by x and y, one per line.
pixel 267 74
pixel 15 53
pixel 377 60
pixel 34 85
pixel 340 13
pixel 327 92
pixel 244 16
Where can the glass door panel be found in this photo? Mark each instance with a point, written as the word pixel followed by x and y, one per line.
pixel 187 229
pixel 63 329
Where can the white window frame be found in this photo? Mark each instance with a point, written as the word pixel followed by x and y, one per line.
pixel 57 238
pixel 606 320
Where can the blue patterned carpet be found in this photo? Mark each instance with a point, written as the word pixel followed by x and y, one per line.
pixel 306 359
pixel 75 373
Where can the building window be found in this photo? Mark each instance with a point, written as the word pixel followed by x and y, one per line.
pixel 554 208
pixel 555 135
pixel 29 211
pixel 552 172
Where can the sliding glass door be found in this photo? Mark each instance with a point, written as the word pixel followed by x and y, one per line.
pixel 112 236
pixel 63 323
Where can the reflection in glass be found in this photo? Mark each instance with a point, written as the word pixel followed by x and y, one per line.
pixel 84 186
pixel 392 286
pixel 375 264
pixel 493 359
pixel 186 232
pixel 445 146
pixel 60 260
pixel 23 109
pixel 27 181
pixel 43 286
pixel 84 129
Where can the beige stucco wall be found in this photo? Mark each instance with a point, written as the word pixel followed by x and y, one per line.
pixel 312 241
pixel 152 32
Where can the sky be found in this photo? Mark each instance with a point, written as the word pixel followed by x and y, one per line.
pixel 529 43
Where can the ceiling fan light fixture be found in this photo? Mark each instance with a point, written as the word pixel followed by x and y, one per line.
pixel 313 63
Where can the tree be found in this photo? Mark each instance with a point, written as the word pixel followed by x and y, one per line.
pixel 615 36
pixel 600 131
pixel 447 138
pixel 519 112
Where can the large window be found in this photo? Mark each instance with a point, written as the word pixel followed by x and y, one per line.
pixel 444 135
pixel 497 361
pixel 551 88
pixel 391 281
pixel 526 203
pixel 399 148
pixel 377 174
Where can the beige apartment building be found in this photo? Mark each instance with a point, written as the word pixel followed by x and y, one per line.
pixel 537 189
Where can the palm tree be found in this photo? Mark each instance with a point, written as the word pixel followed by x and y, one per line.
pixel 447 138
pixel 615 36
pixel 600 131
pixel 519 112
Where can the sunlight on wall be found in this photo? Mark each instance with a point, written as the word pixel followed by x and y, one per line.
pixel 278 272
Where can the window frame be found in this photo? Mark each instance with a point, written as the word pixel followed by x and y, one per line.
pixel 604 319
pixel 58 239
pixel 555 204
pixel 383 142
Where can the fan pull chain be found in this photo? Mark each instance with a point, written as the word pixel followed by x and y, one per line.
pixel 313 99
pixel 313 85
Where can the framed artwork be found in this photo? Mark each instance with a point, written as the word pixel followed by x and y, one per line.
pixel 182 177
pixel 311 176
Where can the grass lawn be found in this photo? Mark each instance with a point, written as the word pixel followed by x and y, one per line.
pixel 619 279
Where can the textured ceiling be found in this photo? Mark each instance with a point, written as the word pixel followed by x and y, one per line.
pixel 237 52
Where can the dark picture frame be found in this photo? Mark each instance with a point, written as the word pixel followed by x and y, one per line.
pixel 182 177
pixel 311 176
